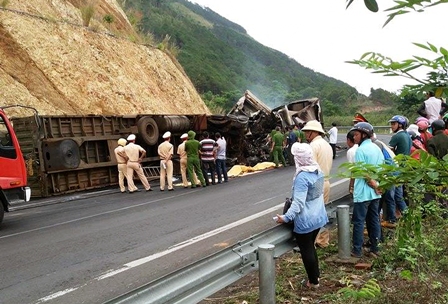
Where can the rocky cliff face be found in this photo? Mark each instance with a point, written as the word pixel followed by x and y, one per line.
pixel 50 61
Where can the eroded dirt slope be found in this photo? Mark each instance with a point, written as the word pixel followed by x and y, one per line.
pixel 49 61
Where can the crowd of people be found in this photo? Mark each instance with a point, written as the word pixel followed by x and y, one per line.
pixel 429 133
pixel 204 161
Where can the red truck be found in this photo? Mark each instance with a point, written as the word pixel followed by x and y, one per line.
pixel 13 174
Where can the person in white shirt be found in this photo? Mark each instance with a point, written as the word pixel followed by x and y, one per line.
pixel 433 108
pixel 333 134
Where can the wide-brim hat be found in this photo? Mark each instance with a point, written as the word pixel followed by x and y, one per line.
pixel 183 136
pixel 313 125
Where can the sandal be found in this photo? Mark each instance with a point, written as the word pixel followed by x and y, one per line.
pixel 307 284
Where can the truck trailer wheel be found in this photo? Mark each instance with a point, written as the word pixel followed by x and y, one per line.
pixel 148 130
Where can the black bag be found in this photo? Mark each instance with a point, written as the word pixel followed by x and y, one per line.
pixel 288 203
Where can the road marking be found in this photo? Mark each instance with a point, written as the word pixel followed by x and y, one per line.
pixel 176 247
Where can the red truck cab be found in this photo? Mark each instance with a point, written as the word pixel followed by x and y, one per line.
pixel 13 174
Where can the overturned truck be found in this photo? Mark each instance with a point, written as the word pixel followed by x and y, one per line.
pixel 65 154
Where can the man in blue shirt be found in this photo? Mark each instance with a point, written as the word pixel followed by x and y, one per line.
pixel 366 195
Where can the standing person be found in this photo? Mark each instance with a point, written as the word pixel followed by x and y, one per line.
pixel 438 144
pixel 423 126
pixel 400 143
pixel 165 151
pixel 366 195
pixel 221 158
pixel 333 134
pixel 277 147
pixel 291 138
pixel 432 108
pixel 121 158
pixel 307 210
pixel 352 147
pixel 299 134
pixel 135 154
pixel 183 162
pixel 207 152
pixel 192 147
pixel 322 152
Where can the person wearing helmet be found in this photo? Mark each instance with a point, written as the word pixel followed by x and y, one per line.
pixel 425 135
pixel 400 143
pixel 438 144
pixel 432 108
pixel 417 143
pixel 366 196
pixel 122 159
pixel 322 152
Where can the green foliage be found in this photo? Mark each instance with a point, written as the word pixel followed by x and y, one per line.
pixel 4 3
pixel 108 18
pixel 436 78
pixel 219 56
pixel 370 290
pixel 87 13
pixel 401 7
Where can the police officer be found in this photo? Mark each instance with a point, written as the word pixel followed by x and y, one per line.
pixel 135 154
pixel 165 151
pixel 121 158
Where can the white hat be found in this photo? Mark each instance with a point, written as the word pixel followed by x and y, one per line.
pixel 131 137
pixel 122 142
pixel 183 136
pixel 313 125
pixel 166 135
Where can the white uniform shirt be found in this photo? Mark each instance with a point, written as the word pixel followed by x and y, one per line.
pixel 333 132
pixel 351 154
pixel 432 108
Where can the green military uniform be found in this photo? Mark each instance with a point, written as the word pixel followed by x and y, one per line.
pixel 300 135
pixel 192 147
pixel 278 148
pixel 438 145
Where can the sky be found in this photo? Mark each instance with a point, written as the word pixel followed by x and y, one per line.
pixel 323 34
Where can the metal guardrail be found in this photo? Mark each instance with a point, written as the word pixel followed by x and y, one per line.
pixel 203 278
pixel 378 129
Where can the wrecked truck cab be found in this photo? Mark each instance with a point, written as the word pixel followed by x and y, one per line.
pixel 298 112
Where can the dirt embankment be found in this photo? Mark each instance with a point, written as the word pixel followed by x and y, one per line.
pixel 49 61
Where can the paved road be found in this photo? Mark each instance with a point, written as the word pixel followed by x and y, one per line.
pixel 89 248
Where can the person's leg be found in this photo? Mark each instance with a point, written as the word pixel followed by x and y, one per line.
pixel 327 188
pixel 190 170
pixel 333 147
pixel 198 170
pixel 275 153
pixel 130 178
pixel 212 169
pixel 121 176
pixel 373 225
pixel 399 199
pixel 389 196
pixel 218 170
pixel 204 169
pixel 224 170
pixel 358 219
pixel 309 255
pixel 142 177
pixel 162 176
pixel 183 171
pixel 282 157
pixel 169 174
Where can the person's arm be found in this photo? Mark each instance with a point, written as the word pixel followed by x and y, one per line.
pixel 298 200
pixel 421 111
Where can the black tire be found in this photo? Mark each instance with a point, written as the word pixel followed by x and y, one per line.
pixel 2 212
pixel 148 130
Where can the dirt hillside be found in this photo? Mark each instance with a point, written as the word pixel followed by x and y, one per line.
pixel 50 61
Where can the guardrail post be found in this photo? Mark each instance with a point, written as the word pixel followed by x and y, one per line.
pixel 266 273
pixel 343 231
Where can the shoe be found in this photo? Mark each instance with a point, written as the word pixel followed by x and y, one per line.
pixel 123 191
pixel 171 189
pixel 138 190
pixel 150 189
pixel 226 181
pixel 372 254
pixel 162 189
pixel 307 284
pixel 185 187
pixel 355 255
pixel 389 224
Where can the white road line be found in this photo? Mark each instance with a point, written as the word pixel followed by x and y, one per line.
pixel 178 246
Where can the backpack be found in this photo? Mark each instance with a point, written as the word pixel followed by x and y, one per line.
pixel 388 154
